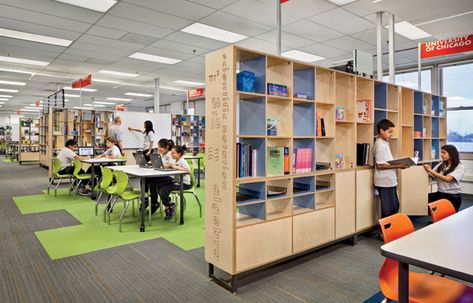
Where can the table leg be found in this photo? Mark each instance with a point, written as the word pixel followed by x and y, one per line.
pixel 181 179
pixel 92 196
pixel 142 206
pixel 198 172
pixel 403 281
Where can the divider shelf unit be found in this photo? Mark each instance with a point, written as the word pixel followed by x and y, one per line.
pixel 189 130
pixel 87 127
pixel 316 207
pixel 29 140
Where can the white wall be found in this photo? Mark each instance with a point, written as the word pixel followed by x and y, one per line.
pixel 199 109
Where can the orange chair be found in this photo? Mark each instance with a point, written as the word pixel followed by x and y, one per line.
pixel 441 209
pixel 422 287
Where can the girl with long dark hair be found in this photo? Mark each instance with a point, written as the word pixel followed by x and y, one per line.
pixel 149 138
pixel 448 173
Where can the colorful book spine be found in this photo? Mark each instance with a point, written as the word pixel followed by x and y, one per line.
pixel 286 160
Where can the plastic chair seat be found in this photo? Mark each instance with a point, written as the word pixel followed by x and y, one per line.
pixel 61 176
pixel 131 195
pixel 84 176
pixel 111 190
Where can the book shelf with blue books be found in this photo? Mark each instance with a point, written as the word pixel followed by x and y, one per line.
pixel 250 157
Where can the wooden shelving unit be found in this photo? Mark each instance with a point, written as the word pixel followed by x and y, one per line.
pixel 315 207
pixel 28 148
pixel 57 125
pixel 190 130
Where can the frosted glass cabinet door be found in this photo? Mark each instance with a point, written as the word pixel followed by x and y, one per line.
pixel 413 191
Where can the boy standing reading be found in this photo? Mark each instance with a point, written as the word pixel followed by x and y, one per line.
pixel 385 179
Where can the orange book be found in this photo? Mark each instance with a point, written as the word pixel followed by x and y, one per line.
pixel 319 125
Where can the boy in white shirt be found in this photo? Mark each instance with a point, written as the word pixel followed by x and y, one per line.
pixel 67 155
pixel 113 152
pixel 385 178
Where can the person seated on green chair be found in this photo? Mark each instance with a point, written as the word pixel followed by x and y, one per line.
pixel 67 155
pixel 166 188
pixel 113 152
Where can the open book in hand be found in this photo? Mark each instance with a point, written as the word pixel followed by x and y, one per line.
pixel 406 160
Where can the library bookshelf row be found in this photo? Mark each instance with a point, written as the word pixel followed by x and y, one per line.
pixel 265 114
pixel 57 125
pixel 28 146
pixel 188 130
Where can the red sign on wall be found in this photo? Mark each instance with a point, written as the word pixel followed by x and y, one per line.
pixel 447 47
pixel 120 107
pixel 196 93
pixel 86 81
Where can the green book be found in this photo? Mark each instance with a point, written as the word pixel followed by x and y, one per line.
pixel 275 161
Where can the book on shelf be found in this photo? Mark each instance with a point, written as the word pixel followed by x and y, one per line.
pixel 302 162
pixel 319 125
pixel 300 187
pixel 322 184
pixel 363 110
pixel 275 160
pixel 244 194
pixel 362 154
pixel 246 160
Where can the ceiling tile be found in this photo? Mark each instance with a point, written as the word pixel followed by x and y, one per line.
pixel 91 51
pixel 349 44
pixel 362 7
pixel 251 10
pixel 134 26
pixel 100 49
pixel 307 8
pixel 217 4
pixel 144 15
pixel 74 58
pixel 38 29
pixel 312 31
pixel 181 8
pixel 17 43
pixel 180 47
pixel 450 28
pixel 287 39
pixel 138 39
pixel 342 21
pixel 235 24
pixel 193 40
pixel 110 43
pixel 325 51
pixel 106 32
pixel 258 45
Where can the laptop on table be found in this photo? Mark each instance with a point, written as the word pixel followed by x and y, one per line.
pixel 141 160
pixel 157 163
pixel 86 151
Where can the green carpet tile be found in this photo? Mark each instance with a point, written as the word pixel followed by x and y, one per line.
pixel 93 234
pixel 9 161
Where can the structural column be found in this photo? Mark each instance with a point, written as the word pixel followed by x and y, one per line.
pixel 379 46
pixel 392 70
pixel 278 4
pixel 156 96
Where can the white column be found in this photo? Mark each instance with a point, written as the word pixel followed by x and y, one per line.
pixel 419 67
pixel 279 26
pixel 379 45
pixel 156 96
pixel 391 48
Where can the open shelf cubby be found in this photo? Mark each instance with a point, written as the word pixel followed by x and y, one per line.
pixel 393 97
pixel 418 148
pixel 250 193
pixel 279 71
pixel 279 205
pixel 435 128
pixel 427 104
pixel 250 214
pixel 303 156
pixel 303 119
pixel 280 110
pixel 325 196
pixel 345 145
pixel 418 103
pixel 280 143
pixel 255 63
pixel 407 139
pixel 304 81
pixel 435 149
pixel 345 90
pixel 381 95
pixel 435 106
pixel 427 128
pixel 394 118
pixel 364 93
pixel 427 150
pixel 258 146
pixel 418 127
pixel 325 151
pixel 327 113
pixel 378 116
pixel 251 113
pixel 324 85
pixel 407 116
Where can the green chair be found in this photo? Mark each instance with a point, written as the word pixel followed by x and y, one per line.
pixel 79 177
pixel 122 158
pixel 175 194
pixel 105 186
pixel 201 169
pixel 55 175
pixel 124 194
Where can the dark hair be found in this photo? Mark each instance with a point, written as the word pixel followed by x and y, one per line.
pixel 111 140
pixel 148 127
pixel 71 142
pixel 454 157
pixel 180 149
pixel 384 124
pixel 169 144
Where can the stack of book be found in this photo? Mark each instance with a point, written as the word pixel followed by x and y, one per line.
pixel 362 154
pixel 246 160
pixel 277 162
pixel 302 160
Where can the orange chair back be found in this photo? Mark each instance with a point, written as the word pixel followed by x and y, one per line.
pixel 441 209
pixel 395 227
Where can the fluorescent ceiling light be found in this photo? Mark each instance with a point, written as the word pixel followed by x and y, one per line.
pixel 2 102
pixel 302 56
pixel 409 31
pixel 34 37
pixel 118 99
pixel 6 96
pixel 83 107
pixel 104 103
pixel 3 99
pixel 8 90
pixel 106 81
pixel 376 1
pixel 96 5
pixel 71 96
pixel 153 58
pixel 138 95
pixel 173 88
pixel 99 105
pixel 341 2
pixel 31 107
pixel 12 82
pixel 87 104
pixel 29 110
pixel 115 73
pixel 23 61
pixel 78 89
pixel 211 32
pixel 184 82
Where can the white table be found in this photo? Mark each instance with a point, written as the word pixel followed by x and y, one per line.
pixel 445 247
pixel 198 158
pixel 146 173
pixel 99 161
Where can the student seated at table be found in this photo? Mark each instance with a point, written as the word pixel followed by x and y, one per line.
pixel 113 152
pixel 164 149
pixel 67 155
pixel 165 189
pixel 448 173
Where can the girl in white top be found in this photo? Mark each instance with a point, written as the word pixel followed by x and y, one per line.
pixel 165 189
pixel 149 138
pixel 113 152
pixel 448 173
